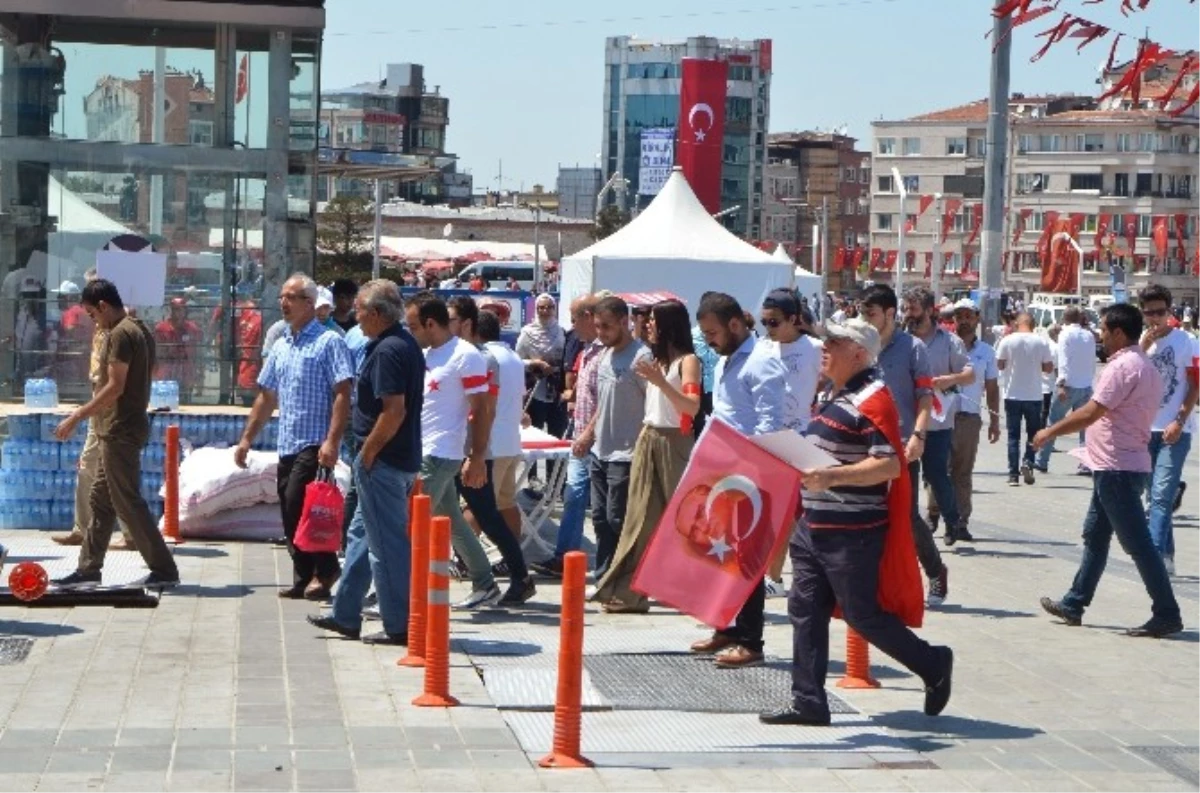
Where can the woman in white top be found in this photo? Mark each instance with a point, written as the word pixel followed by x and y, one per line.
pixel 661 452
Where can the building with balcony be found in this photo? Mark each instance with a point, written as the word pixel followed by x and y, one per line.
pixel 641 91
pixel 809 175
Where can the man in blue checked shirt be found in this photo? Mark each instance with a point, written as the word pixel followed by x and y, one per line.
pixel 308 374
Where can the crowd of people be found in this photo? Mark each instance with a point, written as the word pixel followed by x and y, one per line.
pixel 426 388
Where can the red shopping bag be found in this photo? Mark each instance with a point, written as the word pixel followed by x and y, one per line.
pixel 320 529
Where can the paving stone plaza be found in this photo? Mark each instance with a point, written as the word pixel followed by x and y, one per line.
pixel 224 686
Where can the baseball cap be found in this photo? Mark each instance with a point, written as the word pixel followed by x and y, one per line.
pixel 324 298
pixel 857 330
pixel 968 304
pixel 69 288
pixel 784 300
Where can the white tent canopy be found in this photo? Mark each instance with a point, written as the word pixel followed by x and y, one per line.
pixel 807 284
pixel 674 244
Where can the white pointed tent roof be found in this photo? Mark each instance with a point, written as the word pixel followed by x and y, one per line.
pixel 675 226
pixel 781 255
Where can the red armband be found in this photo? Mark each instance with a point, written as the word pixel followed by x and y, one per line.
pixel 685 421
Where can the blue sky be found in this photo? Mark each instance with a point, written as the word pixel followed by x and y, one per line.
pixel 531 95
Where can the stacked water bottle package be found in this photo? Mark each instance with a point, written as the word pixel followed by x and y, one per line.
pixel 38 472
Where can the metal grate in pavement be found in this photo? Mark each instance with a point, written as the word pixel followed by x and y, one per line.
pixel 14 649
pixel 685 682
pixel 1179 761
pixel 642 731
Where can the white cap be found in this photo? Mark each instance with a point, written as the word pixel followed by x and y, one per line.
pixel 968 304
pixel 68 288
pixel 857 330
pixel 324 298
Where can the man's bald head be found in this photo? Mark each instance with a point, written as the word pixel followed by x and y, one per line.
pixel 583 310
pixel 1025 322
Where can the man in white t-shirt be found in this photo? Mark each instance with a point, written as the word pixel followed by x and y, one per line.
pixel 1023 357
pixel 1176 357
pixel 455 387
pixel 783 318
pixel 1075 369
pixel 482 501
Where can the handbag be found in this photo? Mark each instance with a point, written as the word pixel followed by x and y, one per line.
pixel 320 529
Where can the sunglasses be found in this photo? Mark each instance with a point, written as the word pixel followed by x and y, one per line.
pixel 1157 312
pixel 771 323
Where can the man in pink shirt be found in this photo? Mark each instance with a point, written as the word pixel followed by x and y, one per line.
pixel 1119 416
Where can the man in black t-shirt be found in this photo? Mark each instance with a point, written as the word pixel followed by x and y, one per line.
pixel 387 425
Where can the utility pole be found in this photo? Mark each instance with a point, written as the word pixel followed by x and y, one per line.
pixel 935 275
pixel 990 275
pixel 901 253
pixel 824 247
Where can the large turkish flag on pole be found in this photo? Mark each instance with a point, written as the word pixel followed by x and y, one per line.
pixel 734 505
pixel 702 128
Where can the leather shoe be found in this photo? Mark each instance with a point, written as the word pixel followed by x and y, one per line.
pixel 938 694
pixel 327 623
pixel 790 715
pixel 123 544
pixel 383 637
pixel 737 657
pixel 294 592
pixel 1056 608
pixel 712 644
pixel 70 538
pixel 317 591
pixel 620 607
pixel 1156 628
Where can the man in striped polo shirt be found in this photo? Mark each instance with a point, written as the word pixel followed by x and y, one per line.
pixel 839 544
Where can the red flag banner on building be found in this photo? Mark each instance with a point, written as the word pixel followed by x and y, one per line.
pixel 702 128
pixel 952 207
pixel 928 264
pixel 1158 231
pixel 839 259
pixel 890 262
pixel 976 221
pixel 243 80
pixel 923 203
pixel 1181 220
pixel 1102 225
pixel 876 259
pixel 1077 221
pixel 1131 230
pixel 1060 261
pixel 712 545
pixel 1019 224
pixel 1049 218
pixel 859 253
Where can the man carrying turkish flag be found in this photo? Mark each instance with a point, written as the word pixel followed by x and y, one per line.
pixel 853 547
pixel 702 128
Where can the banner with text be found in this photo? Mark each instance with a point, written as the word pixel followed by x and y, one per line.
pixel 658 157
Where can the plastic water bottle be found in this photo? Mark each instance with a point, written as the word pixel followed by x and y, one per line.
pixel 52 393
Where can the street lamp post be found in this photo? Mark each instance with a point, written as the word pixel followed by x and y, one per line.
pixel 900 258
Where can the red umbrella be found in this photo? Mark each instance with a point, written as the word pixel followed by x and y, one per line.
pixel 436 266
pixel 476 256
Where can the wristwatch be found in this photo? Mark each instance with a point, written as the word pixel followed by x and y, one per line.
pixel 919 434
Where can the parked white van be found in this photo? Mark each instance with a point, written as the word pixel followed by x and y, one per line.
pixel 498 273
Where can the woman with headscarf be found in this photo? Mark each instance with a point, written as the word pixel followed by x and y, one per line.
pixel 661 452
pixel 540 347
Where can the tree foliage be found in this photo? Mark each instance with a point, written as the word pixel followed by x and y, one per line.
pixel 609 221
pixel 345 231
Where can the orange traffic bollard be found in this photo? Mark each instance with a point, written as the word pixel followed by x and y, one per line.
pixel 858 663
pixel 568 702
pixel 171 487
pixel 437 628
pixel 418 594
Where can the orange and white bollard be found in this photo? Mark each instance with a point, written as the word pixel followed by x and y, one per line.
pixel 418 594
pixel 568 702
pixel 858 662
pixel 437 628
pixel 171 487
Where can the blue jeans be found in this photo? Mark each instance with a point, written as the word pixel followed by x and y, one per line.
pixel 576 499
pixel 1014 411
pixel 935 464
pixel 1076 398
pixel 377 548
pixel 1167 460
pixel 1117 508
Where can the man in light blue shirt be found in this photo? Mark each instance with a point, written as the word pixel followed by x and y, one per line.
pixel 749 394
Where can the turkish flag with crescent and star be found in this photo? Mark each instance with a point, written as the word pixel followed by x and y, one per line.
pixel 702 128
pixel 735 504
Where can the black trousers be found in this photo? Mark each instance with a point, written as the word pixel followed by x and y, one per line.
pixel 610 494
pixel 842 567
pixel 927 550
pixel 747 629
pixel 482 503
pixel 295 472
pixel 706 409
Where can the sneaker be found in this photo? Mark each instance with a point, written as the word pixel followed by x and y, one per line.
pixel 1179 491
pixel 1057 609
pixel 372 599
pixel 775 589
pixel 939 587
pixel 1157 628
pixel 1169 563
pixel 551 568
pixel 371 613
pixel 518 593
pixel 385 638
pixel 791 716
pixel 1027 473
pixel 78 580
pixel 479 598
pixel 1083 470
pixel 951 537
pixel 962 534
pixel 156 581
pixel 938 694
pixel 1014 481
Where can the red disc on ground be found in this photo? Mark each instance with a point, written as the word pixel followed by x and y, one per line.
pixel 28 581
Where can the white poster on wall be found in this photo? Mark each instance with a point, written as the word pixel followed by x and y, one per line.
pixel 658 157
pixel 140 278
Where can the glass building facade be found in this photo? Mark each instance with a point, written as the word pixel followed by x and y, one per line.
pixel 190 127
pixel 642 85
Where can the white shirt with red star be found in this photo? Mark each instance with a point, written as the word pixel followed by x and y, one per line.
pixel 453 372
